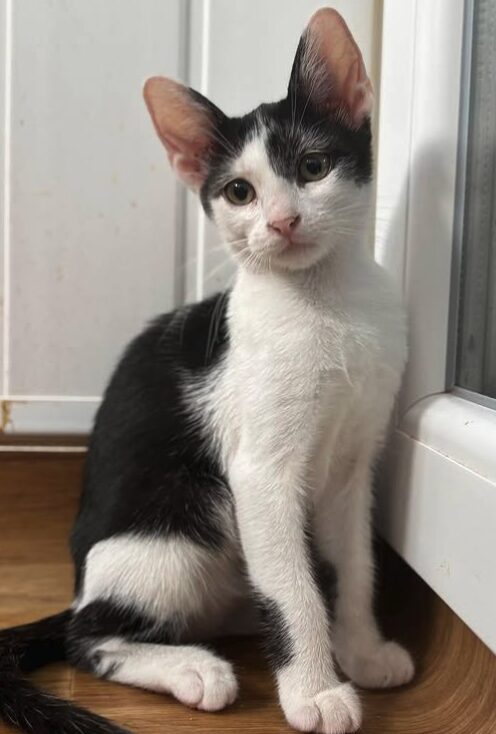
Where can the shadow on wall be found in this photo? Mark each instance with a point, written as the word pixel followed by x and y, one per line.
pixel 423 220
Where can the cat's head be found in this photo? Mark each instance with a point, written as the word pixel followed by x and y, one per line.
pixel 287 183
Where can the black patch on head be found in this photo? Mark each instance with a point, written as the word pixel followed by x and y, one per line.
pixel 309 95
pixel 294 126
pixel 231 136
pixel 150 467
pixel 276 637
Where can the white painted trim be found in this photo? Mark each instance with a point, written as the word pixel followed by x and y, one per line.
pixel 432 200
pixel 461 430
pixel 418 148
pixel 7 132
pixel 201 223
pixel 394 136
pixel 47 449
pixel 51 398
pixel 438 504
pixel 49 417
pixel 181 253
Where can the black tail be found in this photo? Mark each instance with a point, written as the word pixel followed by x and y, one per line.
pixel 23 706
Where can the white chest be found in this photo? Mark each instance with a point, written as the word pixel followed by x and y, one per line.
pixel 323 359
pixel 341 333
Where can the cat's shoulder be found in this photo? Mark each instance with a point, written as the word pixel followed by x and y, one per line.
pixel 191 338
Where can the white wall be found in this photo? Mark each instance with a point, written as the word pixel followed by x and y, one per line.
pixel 97 237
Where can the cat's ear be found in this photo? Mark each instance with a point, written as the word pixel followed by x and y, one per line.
pixel 185 122
pixel 329 69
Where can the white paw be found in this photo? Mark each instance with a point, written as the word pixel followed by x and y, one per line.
pixel 209 685
pixel 385 665
pixel 334 711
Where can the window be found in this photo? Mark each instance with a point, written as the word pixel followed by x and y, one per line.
pixel 476 342
pixel 437 490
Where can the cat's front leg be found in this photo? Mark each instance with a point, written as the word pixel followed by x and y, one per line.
pixel 271 511
pixel 343 530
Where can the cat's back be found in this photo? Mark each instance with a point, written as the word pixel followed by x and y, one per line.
pixel 146 430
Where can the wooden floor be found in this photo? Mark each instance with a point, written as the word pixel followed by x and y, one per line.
pixel 453 693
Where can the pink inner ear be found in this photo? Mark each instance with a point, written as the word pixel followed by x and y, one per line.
pixel 191 170
pixel 351 87
pixel 183 126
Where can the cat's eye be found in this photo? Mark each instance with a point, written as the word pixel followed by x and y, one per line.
pixel 314 166
pixel 239 192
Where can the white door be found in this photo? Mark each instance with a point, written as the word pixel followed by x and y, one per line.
pixel 97 238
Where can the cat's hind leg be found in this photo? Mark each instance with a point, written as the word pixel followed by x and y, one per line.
pixel 194 675
pixel 143 600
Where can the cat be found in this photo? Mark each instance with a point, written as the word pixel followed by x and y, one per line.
pixel 233 452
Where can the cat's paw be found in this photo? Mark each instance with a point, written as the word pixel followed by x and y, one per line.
pixel 333 711
pixel 384 665
pixel 209 685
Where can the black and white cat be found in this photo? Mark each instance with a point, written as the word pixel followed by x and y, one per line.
pixel 234 449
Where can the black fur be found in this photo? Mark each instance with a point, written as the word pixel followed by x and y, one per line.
pixel 102 619
pixel 294 124
pixel 26 648
pixel 349 149
pixel 29 646
pixel 277 641
pixel 36 712
pixel 148 466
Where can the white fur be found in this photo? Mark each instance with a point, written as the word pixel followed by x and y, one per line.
pixel 169 579
pixel 193 675
pixel 298 411
pixel 331 211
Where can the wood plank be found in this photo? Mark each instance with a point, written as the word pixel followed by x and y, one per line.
pixel 454 690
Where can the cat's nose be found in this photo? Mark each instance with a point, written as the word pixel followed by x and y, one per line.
pixel 285 226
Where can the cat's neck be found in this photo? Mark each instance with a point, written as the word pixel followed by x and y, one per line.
pixel 333 271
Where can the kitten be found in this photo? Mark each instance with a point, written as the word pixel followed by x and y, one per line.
pixel 236 440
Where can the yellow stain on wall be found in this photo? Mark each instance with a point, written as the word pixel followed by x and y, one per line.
pixel 5 414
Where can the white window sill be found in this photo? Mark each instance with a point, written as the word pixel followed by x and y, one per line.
pixel 437 504
pixel 459 429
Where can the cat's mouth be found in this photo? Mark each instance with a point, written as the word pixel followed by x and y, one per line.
pixel 287 253
pixel 292 247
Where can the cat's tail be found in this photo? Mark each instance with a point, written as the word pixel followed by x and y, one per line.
pixel 22 705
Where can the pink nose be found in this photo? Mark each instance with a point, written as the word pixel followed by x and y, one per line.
pixel 285 226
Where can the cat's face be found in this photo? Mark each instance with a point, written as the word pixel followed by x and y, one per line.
pixel 287 183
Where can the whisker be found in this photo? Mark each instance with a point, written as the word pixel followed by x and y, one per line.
pixel 213 328
pixel 217 269
pixel 221 139
pixel 210 250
